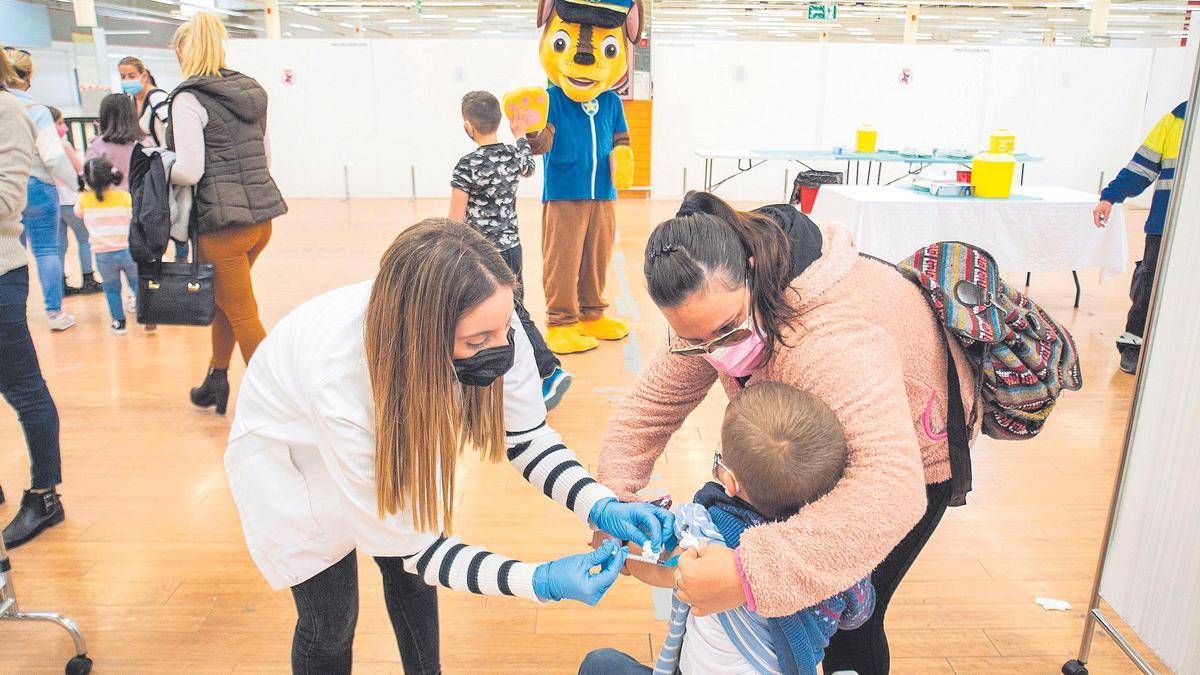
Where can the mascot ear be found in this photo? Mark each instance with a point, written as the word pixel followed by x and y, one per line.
pixel 545 11
pixel 633 22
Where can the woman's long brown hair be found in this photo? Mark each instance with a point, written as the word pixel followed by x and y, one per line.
pixel 433 274
pixel 709 240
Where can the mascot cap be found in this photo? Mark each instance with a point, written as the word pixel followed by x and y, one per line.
pixel 602 13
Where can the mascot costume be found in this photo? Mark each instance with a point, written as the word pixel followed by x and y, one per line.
pixel 578 124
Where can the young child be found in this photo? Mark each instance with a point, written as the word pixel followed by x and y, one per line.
pixel 106 211
pixel 67 196
pixel 484 196
pixel 781 448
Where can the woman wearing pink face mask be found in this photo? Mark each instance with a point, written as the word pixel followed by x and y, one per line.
pixel 768 296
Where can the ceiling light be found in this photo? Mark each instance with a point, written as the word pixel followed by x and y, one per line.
pixel 1131 17
pixel 350 10
pixel 305 26
pixel 1062 20
pixel 1126 32
pixel 981 18
pixel 1017 13
pixel 491 32
pixel 470 20
pixel 433 16
pixel 300 9
pixel 398 21
pixel 463 28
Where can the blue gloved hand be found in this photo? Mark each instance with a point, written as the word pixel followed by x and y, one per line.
pixel 571 578
pixel 634 521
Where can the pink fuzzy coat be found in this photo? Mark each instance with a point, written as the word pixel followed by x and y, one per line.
pixel 866 343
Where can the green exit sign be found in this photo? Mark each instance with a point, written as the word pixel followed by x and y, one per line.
pixel 822 12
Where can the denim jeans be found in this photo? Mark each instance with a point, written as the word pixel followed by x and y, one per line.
pixel 111 265
pixel 611 662
pixel 40 219
pixel 67 218
pixel 327 611
pixel 22 385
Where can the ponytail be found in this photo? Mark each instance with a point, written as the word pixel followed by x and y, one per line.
pixel 200 43
pixel 708 241
pixel 100 175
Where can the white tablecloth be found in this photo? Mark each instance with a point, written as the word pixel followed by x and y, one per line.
pixel 1042 229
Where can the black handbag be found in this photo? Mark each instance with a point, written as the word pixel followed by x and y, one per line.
pixel 177 293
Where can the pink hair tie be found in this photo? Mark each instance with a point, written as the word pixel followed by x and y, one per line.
pixel 936 436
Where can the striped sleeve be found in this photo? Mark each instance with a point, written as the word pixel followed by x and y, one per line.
pixel 449 563
pixel 549 466
pixel 1145 166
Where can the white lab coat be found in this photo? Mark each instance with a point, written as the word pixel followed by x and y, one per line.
pixel 301 456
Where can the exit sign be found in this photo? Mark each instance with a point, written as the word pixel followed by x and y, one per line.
pixel 822 12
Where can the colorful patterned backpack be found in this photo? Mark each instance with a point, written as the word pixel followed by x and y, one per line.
pixel 1023 358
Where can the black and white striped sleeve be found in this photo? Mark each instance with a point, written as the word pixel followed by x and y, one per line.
pixel 535 449
pixel 548 465
pixel 452 564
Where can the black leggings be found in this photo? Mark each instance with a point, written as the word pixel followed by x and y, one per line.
pixel 327 611
pixel 865 649
pixel 546 360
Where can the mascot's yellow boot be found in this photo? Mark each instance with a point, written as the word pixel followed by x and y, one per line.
pixel 567 340
pixel 604 328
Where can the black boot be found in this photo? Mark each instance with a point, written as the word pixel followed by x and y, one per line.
pixel 90 286
pixel 38 511
pixel 69 290
pixel 214 391
pixel 1 494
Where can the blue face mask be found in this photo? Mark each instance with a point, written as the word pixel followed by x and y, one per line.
pixel 131 87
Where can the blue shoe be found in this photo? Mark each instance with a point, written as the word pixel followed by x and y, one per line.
pixel 555 387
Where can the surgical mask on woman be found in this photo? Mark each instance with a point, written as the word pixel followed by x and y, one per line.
pixel 131 87
pixel 487 366
pixel 739 360
pixel 62 130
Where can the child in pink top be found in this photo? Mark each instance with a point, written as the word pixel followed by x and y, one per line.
pixel 106 211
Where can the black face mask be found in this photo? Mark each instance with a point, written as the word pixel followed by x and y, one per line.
pixel 487 366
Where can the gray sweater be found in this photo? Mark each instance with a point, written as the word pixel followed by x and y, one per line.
pixel 16 157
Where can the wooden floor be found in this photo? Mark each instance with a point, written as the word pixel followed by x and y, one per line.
pixel 152 565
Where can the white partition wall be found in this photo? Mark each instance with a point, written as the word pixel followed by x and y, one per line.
pixel 1151 573
pixel 373 113
pixel 1084 110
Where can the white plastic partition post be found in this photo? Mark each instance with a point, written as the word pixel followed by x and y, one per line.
pixel 1149 571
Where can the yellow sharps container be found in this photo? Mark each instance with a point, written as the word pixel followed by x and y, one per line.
pixel 1003 140
pixel 992 175
pixel 865 139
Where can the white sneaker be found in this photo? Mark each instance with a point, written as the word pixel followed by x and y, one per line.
pixel 117 327
pixel 61 321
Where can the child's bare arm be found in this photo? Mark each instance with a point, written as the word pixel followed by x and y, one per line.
pixel 458 206
pixel 649 573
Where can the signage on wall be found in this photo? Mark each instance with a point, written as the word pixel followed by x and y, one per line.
pixel 822 12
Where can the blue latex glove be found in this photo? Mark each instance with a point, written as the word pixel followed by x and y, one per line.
pixel 571 578
pixel 638 522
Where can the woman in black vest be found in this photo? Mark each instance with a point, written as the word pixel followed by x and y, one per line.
pixel 218 130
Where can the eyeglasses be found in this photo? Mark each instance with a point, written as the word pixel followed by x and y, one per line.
pixel 717 464
pixel 727 339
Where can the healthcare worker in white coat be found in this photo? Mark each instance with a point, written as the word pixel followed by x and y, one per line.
pixel 348 425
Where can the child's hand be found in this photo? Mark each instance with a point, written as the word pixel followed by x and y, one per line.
pixel 519 123
pixel 530 106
